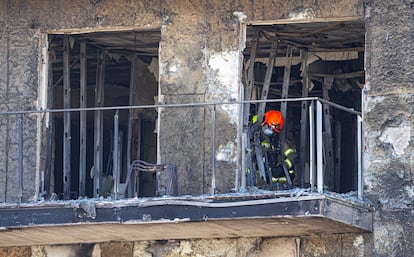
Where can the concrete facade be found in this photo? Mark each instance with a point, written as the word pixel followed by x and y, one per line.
pixel 200 61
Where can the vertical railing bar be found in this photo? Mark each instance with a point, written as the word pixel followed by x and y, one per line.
pixel 132 81
pixel 319 146
pixel 20 164
pixel 213 149
pixel 304 119
pixel 240 150
pixel 311 146
pixel 115 168
pixel 137 138
pixel 42 181
pixel 66 120
pixel 359 143
pixel 338 148
pixel 244 157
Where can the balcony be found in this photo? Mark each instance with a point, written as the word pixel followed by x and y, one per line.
pixel 308 206
pixel 247 215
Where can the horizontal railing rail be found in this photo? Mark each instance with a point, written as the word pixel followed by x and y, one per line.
pixel 154 106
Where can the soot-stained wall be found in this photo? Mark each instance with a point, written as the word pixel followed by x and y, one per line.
pixel 388 123
pixel 200 60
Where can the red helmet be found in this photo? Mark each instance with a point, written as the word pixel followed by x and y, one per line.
pixel 274 120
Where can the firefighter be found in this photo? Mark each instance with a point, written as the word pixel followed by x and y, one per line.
pixel 271 127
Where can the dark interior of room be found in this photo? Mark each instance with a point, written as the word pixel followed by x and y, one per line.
pixel 335 51
pixel 119 49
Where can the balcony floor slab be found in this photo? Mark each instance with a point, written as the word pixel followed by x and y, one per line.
pixel 90 221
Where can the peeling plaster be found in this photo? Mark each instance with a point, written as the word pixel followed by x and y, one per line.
pixel 154 68
pixel 398 137
pixel 410 191
pixel 225 152
pixel 185 248
pixel 97 252
pixel 358 241
pixel 241 16
pixel 372 102
pixel 232 111
pixel 225 66
pixel 171 68
pixel 302 13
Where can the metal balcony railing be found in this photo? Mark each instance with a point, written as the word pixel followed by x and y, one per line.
pixel 315 156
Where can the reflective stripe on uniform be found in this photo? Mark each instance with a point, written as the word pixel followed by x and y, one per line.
pixel 254 119
pixel 279 180
pixel 289 151
pixel 288 164
pixel 266 145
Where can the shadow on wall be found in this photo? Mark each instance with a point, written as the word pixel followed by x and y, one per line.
pixel 81 250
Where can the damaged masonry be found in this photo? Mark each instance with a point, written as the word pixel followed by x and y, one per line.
pixel 139 128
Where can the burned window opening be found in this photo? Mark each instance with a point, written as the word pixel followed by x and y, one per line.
pixel 333 53
pixel 123 63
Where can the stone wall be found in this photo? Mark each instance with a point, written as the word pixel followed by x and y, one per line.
pixel 341 245
pixel 199 62
pixel 388 123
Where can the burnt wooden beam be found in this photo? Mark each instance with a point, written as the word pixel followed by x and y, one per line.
pixel 83 116
pixel 250 79
pixel 340 75
pixel 98 126
pixel 247 173
pixel 327 136
pixel 329 27
pixel 303 148
pixel 286 82
pixel 279 83
pixel 268 78
pixel 261 109
pixel 60 79
pixel 283 107
pixel 50 130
